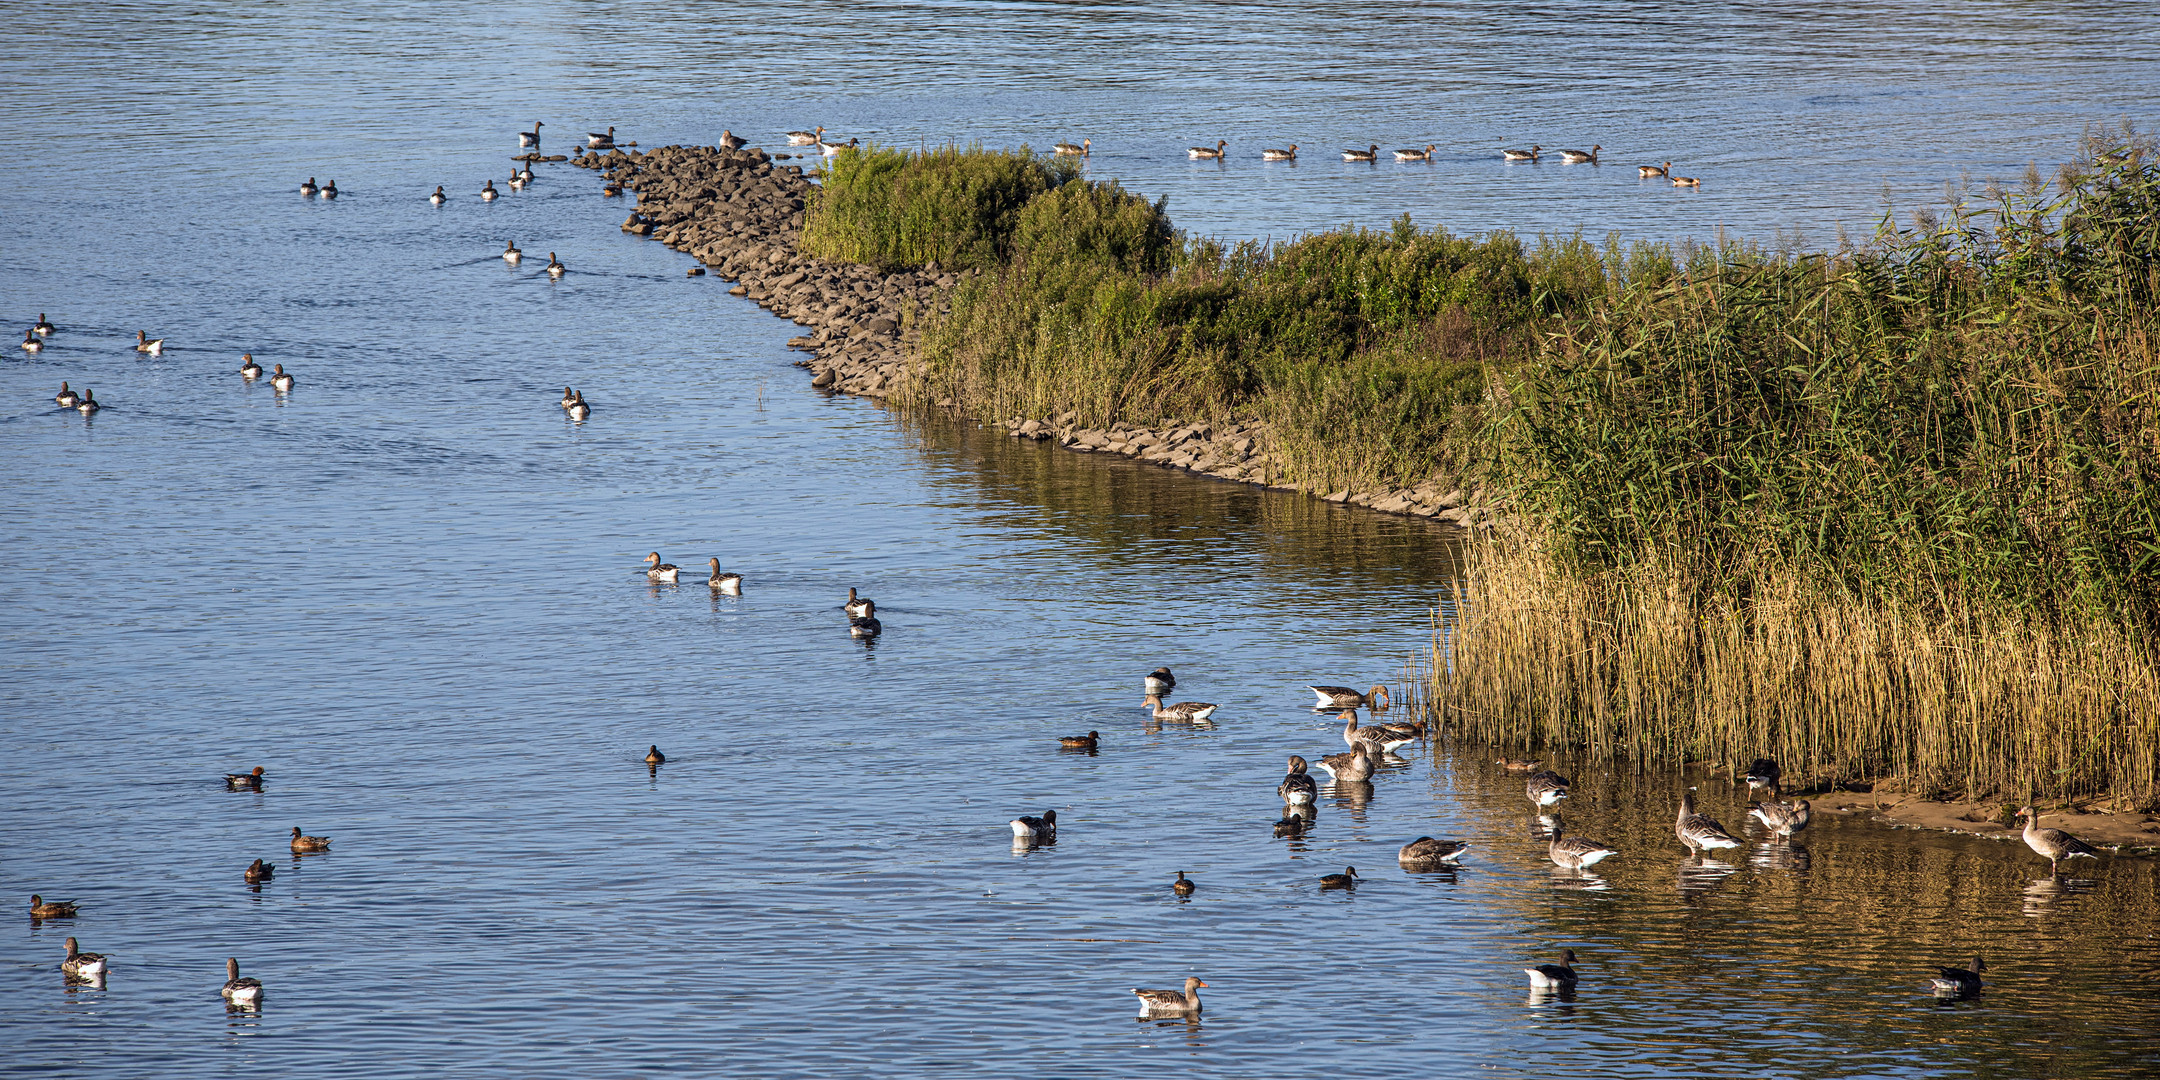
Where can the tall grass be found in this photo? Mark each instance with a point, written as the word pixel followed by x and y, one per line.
pixel 958 208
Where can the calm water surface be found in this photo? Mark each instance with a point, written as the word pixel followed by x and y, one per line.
pixel 410 588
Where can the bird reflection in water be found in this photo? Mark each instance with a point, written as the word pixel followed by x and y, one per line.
pixel 1352 795
pixel 1546 827
pixel 1578 880
pixel 1560 999
pixel 1699 874
pixel 1296 822
pixel 1780 855
pixel 2041 895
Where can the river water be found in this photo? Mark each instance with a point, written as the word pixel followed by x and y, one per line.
pixel 410 588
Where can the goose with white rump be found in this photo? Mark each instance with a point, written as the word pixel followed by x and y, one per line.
pixel 1577 157
pixel 66 398
pixel 1381 739
pixel 1183 711
pixel 83 966
pixel 530 139
pixel 1201 152
pixel 1780 818
pixel 857 606
pixel 1560 976
pixel 329 190
pixel 31 344
pixel 1522 155
pixel 555 268
pixel 1574 852
pixel 1343 697
pixel 1426 853
pixel 246 993
pixel 1352 765
pixel 249 369
pixel 1416 155
pixel 488 193
pixel 569 397
pixel 511 254
pixel 1186 1002
pixel 731 141
pixel 438 198
pixel 1298 788
pixel 1957 981
pixel 2054 845
pixel 1700 832
pixel 730 584
pixel 806 138
pixel 597 140
pixel 44 326
pixel 88 404
pixel 1035 830
pixel 308 189
pixel 280 379
pixel 661 571
pixel 1371 153
pixel 832 149
pixel 865 625
pixel 578 409
pixel 1686 182
pixel 144 343
pixel 1651 172
pixel 1160 681
pixel 1085 148
pixel 1289 154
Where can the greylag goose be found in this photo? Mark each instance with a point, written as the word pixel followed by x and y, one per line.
pixel 1522 155
pixel 511 254
pixel 302 844
pixel 1700 832
pixel 1355 764
pixel 144 343
pixel 1763 773
pixel 1171 1002
pixel 1781 818
pixel 865 624
pixel 1160 681
pixel 44 326
pixel 1648 172
pixel 730 141
pixel 1085 148
pixel 1577 157
pixel 730 584
pixel 855 605
pixel 1416 155
pixel 88 404
pixel 653 756
pixel 530 139
pixel 2054 844
pixel 832 149
pixel 1371 153
pixel 1036 830
pixel 279 379
pixel 1686 182
pixel 258 872
pixel 1198 152
pixel 66 398
pixel 488 192
pixel 249 369
pixel 1545 788
pixel 246 781
pixel 1280 155
pixel 1381 739
pixel 239 991
pixel 1183 886
pixel 1554 976
pixel 517 180
pixel 1426 853
pixel 308 189
pixel 596 140
pixel 1958 982
pixel 1080 742
pixel 31 344
pixel 1519 764
pixel 661 571
pixel 806 138
pixel 555 267
pixel 329 190
pixel 1345 880
pixel 1184 711
pixel 41 908
pixel 1298 788
pixel 578 409
pixel 80 964
pixel 1342 697
pixel 569 398
pixel 1574 852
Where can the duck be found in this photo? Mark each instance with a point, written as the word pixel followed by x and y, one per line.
pixel 1545 788
pixel 661 571
pixel 239 991
pixel 1289 154
pixel 1354 764
pixel 511 254
pixel 1426 853
pixel 308 190
pixel 1086 148
pixel 30 342
pixel 1577 157
pixel 44 326
pixel 1381 739
pixel 1574 852
pixel 301 844
pixel 1183 886
pixel 280 378
pixel 1184 1002
pixel 726 583
pixel 249 369
pixel 258 872
pixel 41 908
pixel 1199 152
pixel 555 268
pixel 856 605
pixel 144 343
pixel 2054 844
pixel 66 398
pixel 1522 155
pixel 1297 788
pixel 1554 976
pixel 1700 832
pixel 1958 982
pixel 729 141
pixel 1647 172
pixel 88 404
pixel 806 138
pixel 866 624
pixel 1416 155
pixel 1519 764
pixel 488 193
pixel 1342 697
pixel 1345 880
pixel 1371 153
pixel 1184 711
pixel 1686 182
pixel 578 409
pixel 595 140
pixel 1036 830
pixel 530 138
pixel 80 964
pixel 1292 825
pixel 1160 681
pixel 245 781
pixel 1080 742
pixel 653 756
pixel 1762 773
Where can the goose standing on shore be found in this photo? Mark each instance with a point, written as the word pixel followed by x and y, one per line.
pixel 730 584
pixel 1160 681
pixel 488 193
pixel 730 141
pixel 1700 832
pixel 44 326
pixel 84 966
pixel 1086 148
pixel 1522 155
pixel 144 343
pixel 511 254
pixel 578 409
pixel 280 379
pixel 865 625
pixel 1560 976
pixel 308 190
pixel 856 605
pixel 1298 788
pixel 661 571
pixel 438 198
pixel 1280 155
pixel 1957 981
pixel 66 398
pixel 1545 788
pixel 1371 153
pixel 1171 1002
pixel 1199 152
pixel 1426 853
pixel 88 404
pixel 2053 844
pixel 530 139
pixel 1574 852
pixel 1416 155
pixel 806 138
pixel 1183 711
pixel 1036 830
pixel 246 993
pixel 1342 697
pixel 1577 157
pixel 31 344
pixel 596 140
pixel 1648 172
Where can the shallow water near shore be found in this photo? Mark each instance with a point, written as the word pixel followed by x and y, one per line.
pixel 411 590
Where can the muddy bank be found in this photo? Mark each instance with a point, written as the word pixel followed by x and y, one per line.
pixel 2129 832
pixel 740 214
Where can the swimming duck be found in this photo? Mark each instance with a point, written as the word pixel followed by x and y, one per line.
pixel 728 141
pixel 1183 886
pixel 727 583
pixel 1345 880
pixel 1648 171
pixel 1354 764
pixel 1686 181
pixel 1519 764
pixel 249 369
pixel 488 193
pixel 832 149
pixel 1036 830
pixel 1699 831
pixel 1371 153
pixel 44 326
pixel 661 571
pixel 308 190
pixel 600 141
pixel 1426 853
pixel 530 138
pixel 1160 681
pixel 1416 155
pixel 82 965
pixel 806 138
pixel 1549 976
pixel 855 605
pixel 1086 148
pixel 1184 711
pixel 1762 773
pixel 1522 155
pixel 30 342
pixel 2055 844
pixel 865 624
pixel 1291 825
pixel 301 844
pixel 41 908
pixel 258 872
pixel 1574 852
pixel 247 781
pixel 1171 1002
pixel 653 756
pixel 88 404
pixel 329 190
pixel 578 409
pixel 1080 742
pixel 1958 982
pixel 1298 788
pixel 144 343
pixel 1198 152
pixel 280 379
pixel 1577 157
pixel 1342 697
pixel 554 267
pixel 239 991
pixel 66 398
pixel 1545 788
pixel 1280 155
pixel 511 254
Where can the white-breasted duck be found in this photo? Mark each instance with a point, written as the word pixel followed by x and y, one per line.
pixel 245 781
pixel 511 254
pixel 302 845
pixel 1298 788
pixel 88 404
pixel 1957 981
pixel 1554 976
pixel 249 369
pixel 1647 172
pixel 1171 1002
pixel 1160 681
pixel 1577 157
pixel 731 141
pixel 144 343
pixel 258 872
pixel 806 138
pixel 1545 788
pixel 1416 155
pixel 1084 148
pixel 1522 155
pixel 44 326
pixel 724 582
pixel 1426 853
pixel 2053 844
pixel 578 409
pixel 31 343
pixel 308 190
pixel 555 267
pixel 866 624
pixel 599 140
pixel 1343 697
pixel 66 398
pixel 488 193
pixel 1183 711
pixel 856 605
pixel 1353 764
pixel 280 378
pixel 82 965
pixel 1700 832
pixel 661 571
pixel 1198 152
pixel 1036 830
pixel 239 991
pixel 531 138
pixel 41 908
pixel 1370 153
pixel 1346 880
pixel 1287 154
pixel 1574 852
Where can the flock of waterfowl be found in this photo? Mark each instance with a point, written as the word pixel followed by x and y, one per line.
pixel 86 403
pixel 1372 153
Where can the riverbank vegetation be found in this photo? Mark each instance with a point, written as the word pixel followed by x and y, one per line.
pixel 1889 512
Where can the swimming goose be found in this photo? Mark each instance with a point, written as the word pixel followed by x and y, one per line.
pixel 1574 852
pixel 1416 155
pixel 555 268
pixel 488 193
pixel 1171 1002
pixel 1426 853
pixel 30 342
pixel 653 756
pixel 2055 844
pixel 88 404
pixel 41 908
pixel 144 343
pixel 1648 171
pixel 246 781
pixel 832 149
pixel 82 965
pixel 1958 982
pixel 1370 154
pixel 329 189
pixel 578 409
pixel 865 624
pixel 249 369
pixel 1519 764
pixel 1298 788
pixel 600 141
pixel 728 141
pixel 44 326
pixel 302 844
pixel 1412 730
pixel 1160 681
pixel 855 605
pixel 1187 711
pixel 1036 830
pixel 1763 773
pixel 511 254
pixel 727 583
pixel 1381 739
pixel 1522 155
pixel 1345 880
pixel 1545 788
pixel 1700 832
pixel 1577 157
pixel 1198 152
pixel 1549 976
pixel 66 398
pixel 308 190
pixel 1291 825
pixel 806 138
pixel 280 379
pixel 1781 818
pixel 1355 764
pixel 569 398
pixel 1085 149
pixel 1686 181
pixel 1342 697
pixel 258 872
pixel 530 138
pixel 1182 886
pixel 239 991
pixel 1080 742
pixel 661 571
pixel 517 182
pixel 1280 155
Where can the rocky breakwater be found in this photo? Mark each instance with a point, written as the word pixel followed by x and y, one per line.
pixel 741 213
